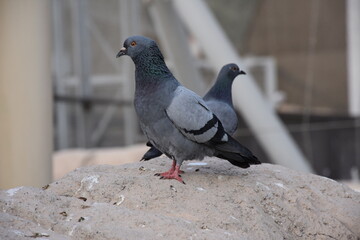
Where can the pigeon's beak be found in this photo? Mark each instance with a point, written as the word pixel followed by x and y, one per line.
pixel 121 52
pixel 242 72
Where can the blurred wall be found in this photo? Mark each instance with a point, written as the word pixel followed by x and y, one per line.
pixel 25 93
pixel 307 39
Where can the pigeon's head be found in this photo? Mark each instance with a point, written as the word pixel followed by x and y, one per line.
pixel 135 45
pixel 231 70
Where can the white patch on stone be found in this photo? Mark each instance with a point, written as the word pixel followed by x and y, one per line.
pixel 197 164
pixel 200 189
pixel 11 192
pixel 72 230
pixel 262 185
pixel 122 198
pixel 90 181
pixel 281 185
pixel 187 221
pixel 19 233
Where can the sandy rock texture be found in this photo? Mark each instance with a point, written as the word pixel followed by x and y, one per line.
pixel 219 201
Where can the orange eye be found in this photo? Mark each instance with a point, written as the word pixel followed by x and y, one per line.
pixel 234 69
pixel 133 43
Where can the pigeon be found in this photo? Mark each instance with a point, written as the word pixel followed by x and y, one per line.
pixel 219 100
pixel 219 97
pixel 174 119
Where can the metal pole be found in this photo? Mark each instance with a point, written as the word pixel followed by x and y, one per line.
pixel 265 124
pixel 173 37
pixel 353 55
pixel 25 93
pixel 82 64
pixel 353 63
pixel 62 129
pixel 104 121
pixel 129 25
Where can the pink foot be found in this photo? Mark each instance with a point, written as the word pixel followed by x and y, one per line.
pixel 173 173
pixel 166 174
pixel 169 173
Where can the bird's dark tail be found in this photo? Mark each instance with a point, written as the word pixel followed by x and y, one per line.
pixel 235 153
pixel 153 152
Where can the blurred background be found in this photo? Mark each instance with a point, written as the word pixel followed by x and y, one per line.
pixel 66 101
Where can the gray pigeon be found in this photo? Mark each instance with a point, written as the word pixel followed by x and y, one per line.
pixel 219 100
pixel 219 97
pixel 174 119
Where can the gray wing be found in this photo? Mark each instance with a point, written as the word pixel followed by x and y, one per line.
pixel 225 113
pixel 190 114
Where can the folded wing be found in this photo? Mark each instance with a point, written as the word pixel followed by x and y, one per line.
pixel 190 114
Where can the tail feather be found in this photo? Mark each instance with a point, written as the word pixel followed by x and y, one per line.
pixel 153 152
pixel 236 153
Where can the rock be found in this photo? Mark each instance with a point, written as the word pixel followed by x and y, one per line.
pixel 219 201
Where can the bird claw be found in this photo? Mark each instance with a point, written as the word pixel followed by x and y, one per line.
pixel 173 176
pixel 173 173
pixel 165 174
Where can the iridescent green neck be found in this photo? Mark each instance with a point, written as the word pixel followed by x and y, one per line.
pixel 151 63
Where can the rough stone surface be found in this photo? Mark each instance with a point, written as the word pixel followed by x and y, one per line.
pixel 219 201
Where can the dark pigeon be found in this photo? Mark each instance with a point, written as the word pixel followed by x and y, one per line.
pixel 176 120
pixel 219 100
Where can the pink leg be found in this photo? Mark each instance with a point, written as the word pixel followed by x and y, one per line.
pixel 173 173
